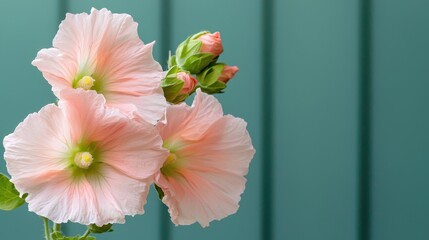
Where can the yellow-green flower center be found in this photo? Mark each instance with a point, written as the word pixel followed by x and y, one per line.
pixel 83 159
pixel 87 82
pixel 170 159
pixel 169 168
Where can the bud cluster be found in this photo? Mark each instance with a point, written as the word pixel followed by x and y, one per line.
pixel 196 65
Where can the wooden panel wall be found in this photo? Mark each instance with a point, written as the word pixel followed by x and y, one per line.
pixel 400 203
pixel 335 94
pixel 316 82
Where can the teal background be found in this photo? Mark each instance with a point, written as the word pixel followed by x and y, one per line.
pixel 335 94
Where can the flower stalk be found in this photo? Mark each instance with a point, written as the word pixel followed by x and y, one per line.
pixel 46 226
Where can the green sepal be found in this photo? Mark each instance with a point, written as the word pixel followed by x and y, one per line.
pixel 96 229
pixel 216 87
pixel 9 196
pixel 197 62
pixel 159 191
pixel 186 49
pixel 57 236
pixel 197 35
pixel 189 57
pixel 172 61
pixel 172 86
pixel 60 236
pixel 208 79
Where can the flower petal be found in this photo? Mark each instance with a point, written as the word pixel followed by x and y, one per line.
pixel 86 111
pixel 41 153
pixel 58 69
pixel 56 196
pixel 140 156
pixel 107 48
pixel 190 123
pixel 118 195
pixel 150 107
pixel 210 172
pixel 38 144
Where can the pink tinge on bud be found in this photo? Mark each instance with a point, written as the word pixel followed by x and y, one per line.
pixel 228 73
pixel 212 43
pixel 189 82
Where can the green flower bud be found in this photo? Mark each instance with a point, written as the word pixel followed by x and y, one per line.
pixel 178 85
pixel 198 51
pixel 208 80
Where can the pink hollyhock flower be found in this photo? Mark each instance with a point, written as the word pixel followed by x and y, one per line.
pixel 189 82
pixel 211 43
pixel 203 177
pixel 228 73
pixel 82 161
pixel 103 52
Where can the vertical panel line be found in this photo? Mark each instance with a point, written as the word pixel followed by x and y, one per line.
pixel 165 45
pixel 267 119
pixel 62 9
pixel 364 208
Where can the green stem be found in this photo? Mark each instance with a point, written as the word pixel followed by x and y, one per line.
pixel 46 224
pixel 57 227
pixel 86 234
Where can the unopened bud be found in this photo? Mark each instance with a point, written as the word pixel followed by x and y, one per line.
pixel 228 73
pixel 211 43
pixel 198 51
pixel 178 85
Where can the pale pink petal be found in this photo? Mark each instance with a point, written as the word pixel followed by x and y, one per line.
pixel 147 106
pixel 202 196
pixel 107 48
pixel 190 123
pixel 58 68
pixel 226 146
pixel 59 198
pixel 136 150
pixel 39 143
pixel 85 110
pixel 210 170
pixel 125 66
pixel 114 197
pixel 41 153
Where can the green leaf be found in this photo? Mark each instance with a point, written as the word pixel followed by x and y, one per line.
pixel 9 196
pixel 96 229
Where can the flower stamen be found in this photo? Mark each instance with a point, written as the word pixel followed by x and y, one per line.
pixel 83 159
pixel 170 159
pixel 169 168
pixel 86 83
